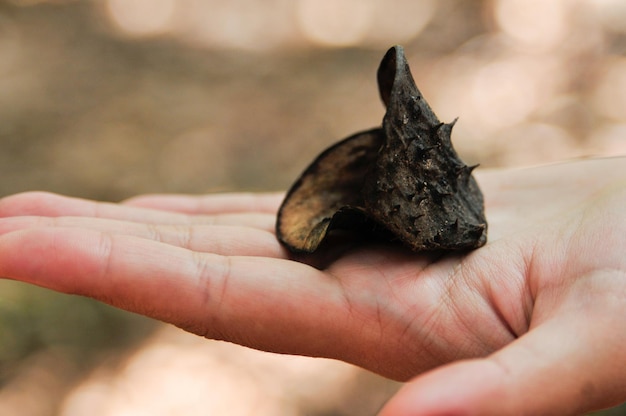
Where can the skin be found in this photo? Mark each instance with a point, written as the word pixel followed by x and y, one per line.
pixel 532 323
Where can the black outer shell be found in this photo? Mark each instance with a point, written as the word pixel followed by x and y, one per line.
pixel 404 178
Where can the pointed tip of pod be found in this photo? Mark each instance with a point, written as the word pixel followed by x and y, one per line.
pixel 444 131
pixel 392 62
pixel 464 172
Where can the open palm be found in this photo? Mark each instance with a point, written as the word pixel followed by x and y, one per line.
pixel 531 323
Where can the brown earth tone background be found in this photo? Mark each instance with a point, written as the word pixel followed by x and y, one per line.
pixel 107 99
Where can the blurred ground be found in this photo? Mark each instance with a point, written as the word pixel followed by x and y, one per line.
pixel 108 99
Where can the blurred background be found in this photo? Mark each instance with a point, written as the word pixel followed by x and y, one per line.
pixel 107 99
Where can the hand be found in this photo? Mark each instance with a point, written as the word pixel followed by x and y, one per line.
pixel 531 323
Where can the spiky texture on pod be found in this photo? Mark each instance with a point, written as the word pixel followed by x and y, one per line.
pixel 418 187
pixel 405 178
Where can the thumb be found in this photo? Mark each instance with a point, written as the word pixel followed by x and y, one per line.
pixel 559 368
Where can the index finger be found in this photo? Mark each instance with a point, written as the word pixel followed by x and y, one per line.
pixel 269 304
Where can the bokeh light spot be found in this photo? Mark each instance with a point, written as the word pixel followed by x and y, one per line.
pixel 503 93
pixel 335 22
pixel 236 24
pixel 399 21
pixel 141 17
pixel 535 23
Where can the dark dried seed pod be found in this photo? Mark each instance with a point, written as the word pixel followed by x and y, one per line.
pixel 404 178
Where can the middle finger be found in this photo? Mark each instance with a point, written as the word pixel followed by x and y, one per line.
pixel 219 239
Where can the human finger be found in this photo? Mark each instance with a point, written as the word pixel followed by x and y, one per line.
pixel 218 239
pixel 211 203
pixel 53 205
pixel 270 304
